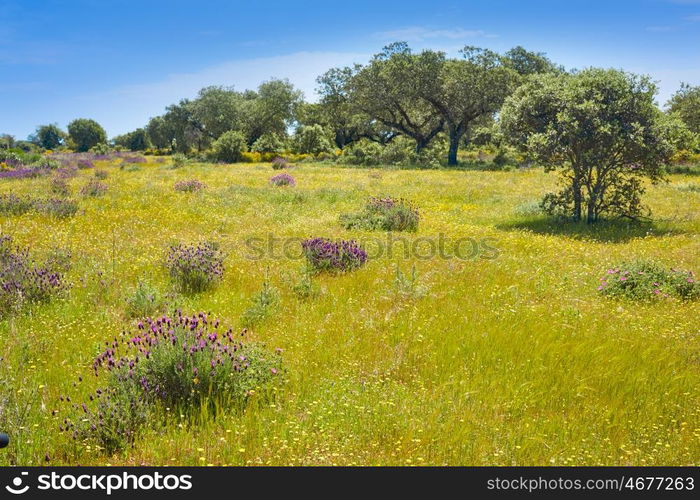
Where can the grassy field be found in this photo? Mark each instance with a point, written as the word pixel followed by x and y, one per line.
pixel 512 360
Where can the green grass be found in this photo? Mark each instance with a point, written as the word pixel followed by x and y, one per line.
pixel 515 360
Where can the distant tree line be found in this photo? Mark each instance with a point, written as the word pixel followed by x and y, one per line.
pixel 600 128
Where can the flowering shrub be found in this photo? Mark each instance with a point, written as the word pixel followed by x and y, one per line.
pixel 280 163
pixel 101 174
pixel 388 214
pixel 189 186
pixel 183 361
pixel 641 280
pixel 94 188
pixel 57 207
pixel 59 186
pixel 67 172
pixel 84 164
pixel 11 204
pixel 133 159
pixel 14 205
pixel 333 256
pixel 283 180
pixel 23 172
pixel 195 268
pixel 23 281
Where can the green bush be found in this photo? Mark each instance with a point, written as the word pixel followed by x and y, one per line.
pixel 261 305
pixel 146 300
pixel 388 214
pixel 311 139
pixel 268 143
pixel 229 147
pixel 643 281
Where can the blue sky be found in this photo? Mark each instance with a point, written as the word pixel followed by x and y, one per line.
pixel 121 62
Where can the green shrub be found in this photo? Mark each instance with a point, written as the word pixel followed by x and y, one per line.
pixel 311 139
pixel 643 281
pixel 305 288
pixel 145 301
pixel 178 160
pixel 388 214
pixel 229 147
pixel 261 305
pixel 268 143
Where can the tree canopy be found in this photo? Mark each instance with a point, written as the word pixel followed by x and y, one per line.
pixel 49 136
pixel 600 129
pixel 86 133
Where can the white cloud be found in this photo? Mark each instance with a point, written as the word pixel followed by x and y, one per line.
pixel 129 107
pixel 421 33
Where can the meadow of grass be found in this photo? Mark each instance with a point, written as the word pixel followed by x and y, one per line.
pixel 512 360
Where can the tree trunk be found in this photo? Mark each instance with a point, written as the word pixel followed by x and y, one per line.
pixel 577 197
pixel 420 144
pixel 591 215
pixel 455 136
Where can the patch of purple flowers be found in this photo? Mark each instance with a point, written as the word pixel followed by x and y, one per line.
pixel 280 163
pixel 195 268
pixel 333 256
pixel 11 204
pixel 183 361
pixel 283 180
pixel 94 188
pixel 24 172
pixel 189 186
pixel 23 281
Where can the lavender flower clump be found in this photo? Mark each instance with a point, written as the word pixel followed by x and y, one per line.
pixel 333 256
pixel 57 207
pixel 11 204
pixel 280 163
pixel 59 186
pixel 189 186
pixel 184 361
pixel 94 188
pixel 85 164
pixel 283 180
pixel 23 172
pixel 15 205
pixel 23 281
pixel 195 268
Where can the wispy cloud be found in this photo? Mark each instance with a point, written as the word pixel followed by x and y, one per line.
pixel 422 33
pixel 695 18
